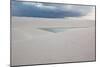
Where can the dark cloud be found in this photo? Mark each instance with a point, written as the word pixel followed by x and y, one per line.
pixel 43 10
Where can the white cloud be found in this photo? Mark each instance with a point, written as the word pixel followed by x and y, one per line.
pixel 29 3
pixel 40 5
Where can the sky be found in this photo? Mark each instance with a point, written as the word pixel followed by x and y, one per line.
pixel 49 10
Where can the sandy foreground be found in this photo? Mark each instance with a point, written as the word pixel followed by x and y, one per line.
pixel 41 41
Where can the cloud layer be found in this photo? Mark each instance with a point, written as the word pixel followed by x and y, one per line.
pixel 47 10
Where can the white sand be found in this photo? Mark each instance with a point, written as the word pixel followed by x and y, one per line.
pixel 36 46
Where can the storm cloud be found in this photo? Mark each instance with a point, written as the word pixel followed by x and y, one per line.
pixel 48 10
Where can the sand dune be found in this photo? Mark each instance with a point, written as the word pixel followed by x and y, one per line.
pixel 34 40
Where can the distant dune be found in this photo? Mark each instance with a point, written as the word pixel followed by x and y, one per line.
pixel 50 23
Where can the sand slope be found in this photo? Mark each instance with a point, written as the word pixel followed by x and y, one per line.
pixel 33 45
